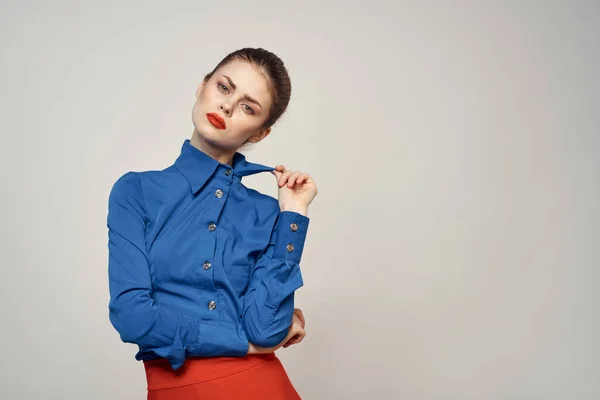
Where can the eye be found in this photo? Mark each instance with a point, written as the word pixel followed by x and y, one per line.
pixel 248 108
pixel 220 85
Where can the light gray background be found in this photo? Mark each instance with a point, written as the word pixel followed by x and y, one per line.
pixel 453 250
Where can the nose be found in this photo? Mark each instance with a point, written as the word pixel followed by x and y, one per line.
pixel 226 109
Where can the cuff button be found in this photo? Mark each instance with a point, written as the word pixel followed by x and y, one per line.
pixel 294 227
pixel 290 247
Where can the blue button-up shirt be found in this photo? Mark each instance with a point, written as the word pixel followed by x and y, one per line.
pixel 199 264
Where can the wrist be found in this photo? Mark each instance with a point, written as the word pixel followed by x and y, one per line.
pixel 299 208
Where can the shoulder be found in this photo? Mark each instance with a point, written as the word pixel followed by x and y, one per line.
pixel 129 187
pixel 126 192
pixel 135 183
pixel 126 185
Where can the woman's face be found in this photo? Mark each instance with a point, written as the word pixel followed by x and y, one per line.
pixel 238 93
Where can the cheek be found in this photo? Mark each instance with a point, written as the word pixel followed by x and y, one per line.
pixel 207 98
pixel 244 123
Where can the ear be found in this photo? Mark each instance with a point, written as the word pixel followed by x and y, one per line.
pixel 199 89
pixel 260 135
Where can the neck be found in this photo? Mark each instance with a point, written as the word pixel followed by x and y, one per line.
pixel 221 155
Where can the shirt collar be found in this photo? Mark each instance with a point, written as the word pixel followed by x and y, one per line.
pixel 197 167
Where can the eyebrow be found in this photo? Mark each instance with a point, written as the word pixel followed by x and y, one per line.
pixel 250 99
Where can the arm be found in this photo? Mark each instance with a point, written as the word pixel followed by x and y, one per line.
pixel 132 310
pixel 268 306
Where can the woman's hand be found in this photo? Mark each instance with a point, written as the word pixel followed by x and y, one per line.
pixel 299 336
pixel 295 335
pixel 296 189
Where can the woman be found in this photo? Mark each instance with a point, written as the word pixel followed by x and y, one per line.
pixel 202 269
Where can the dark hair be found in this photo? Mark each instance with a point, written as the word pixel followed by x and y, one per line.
pixel 274 70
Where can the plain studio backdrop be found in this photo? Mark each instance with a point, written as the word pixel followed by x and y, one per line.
pixel 453 250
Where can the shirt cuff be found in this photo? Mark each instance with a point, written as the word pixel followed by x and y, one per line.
pixel 217 339
pixel 290 235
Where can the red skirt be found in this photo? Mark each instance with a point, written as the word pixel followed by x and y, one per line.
pixel 251 377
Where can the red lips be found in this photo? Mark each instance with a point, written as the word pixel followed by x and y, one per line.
pixel 216 120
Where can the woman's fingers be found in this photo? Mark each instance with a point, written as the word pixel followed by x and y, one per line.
pixel 289 177
pixel 299 337
pixel 279 169
pixel 297 331
pixel 296 338
pixel 284 177
pixel 298 312
pixel 306 177
pixel 292 179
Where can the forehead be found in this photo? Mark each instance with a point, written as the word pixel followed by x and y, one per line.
pixel 248 80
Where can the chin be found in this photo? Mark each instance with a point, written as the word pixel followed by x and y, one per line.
pixel 212 136
pixel 205 129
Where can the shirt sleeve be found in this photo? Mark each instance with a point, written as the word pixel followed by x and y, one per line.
pixel 268 306
pixel 132 309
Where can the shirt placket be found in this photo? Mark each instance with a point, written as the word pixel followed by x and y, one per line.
pixel 219 186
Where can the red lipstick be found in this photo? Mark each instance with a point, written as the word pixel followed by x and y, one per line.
pixel 216 120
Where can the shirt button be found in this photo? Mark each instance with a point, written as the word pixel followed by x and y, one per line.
pixel 228 172
pixel 294 227
pixel 212 227
pixel 219 193
pixel 206 265
pixel 290 247
pixel 212 305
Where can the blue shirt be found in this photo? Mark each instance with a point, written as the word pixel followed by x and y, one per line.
pixel 199 264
